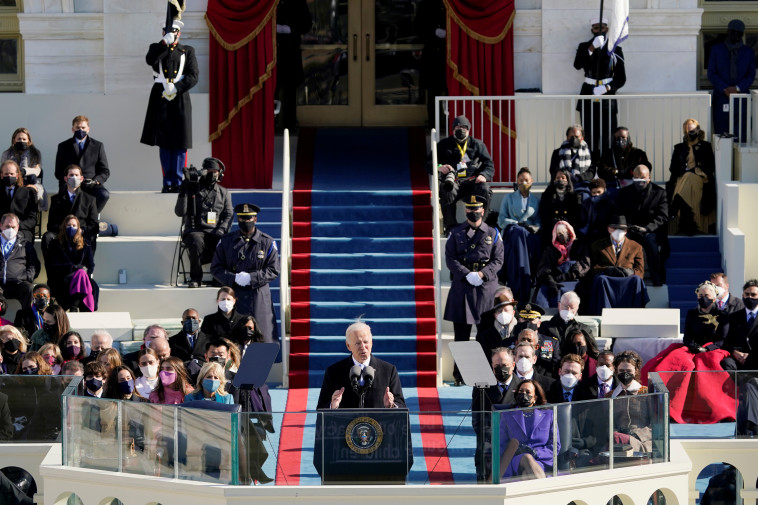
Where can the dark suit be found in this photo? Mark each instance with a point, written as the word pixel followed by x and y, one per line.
pixel 24 205
pixel 180 347
pixel 337 376
pixel 91 160
pixel 83 207
pixel 721 76
pixel 543 380
pixel 743 338
pixel 590 387
pixel 6 422
pixel 217 325
pixel 733 304
pixel 556 393
pixel 19 269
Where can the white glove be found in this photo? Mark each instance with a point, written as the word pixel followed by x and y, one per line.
pixel 242 278
pixel 167 96
pixel 169 88
pixel 599 90
pixel 598 42
pixel 283 29
pixel 169 38
pixel 439 32
pixel 474 279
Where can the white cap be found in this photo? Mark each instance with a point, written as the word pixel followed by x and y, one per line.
pixel 178 25
pixel 596 21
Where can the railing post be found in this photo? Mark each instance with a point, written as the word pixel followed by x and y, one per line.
pixel 284 299
pixel 436 241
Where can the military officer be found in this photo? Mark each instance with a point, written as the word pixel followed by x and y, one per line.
pixel 168 121
pixel 248 260
pixel 474 255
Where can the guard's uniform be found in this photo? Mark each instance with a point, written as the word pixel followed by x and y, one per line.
pixel 259 256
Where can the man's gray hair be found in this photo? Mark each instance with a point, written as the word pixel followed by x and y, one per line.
pixel 504 290
pixel 154 326
pixel 570 297
pixel 104 334
pixel 527 331
pixel 358 325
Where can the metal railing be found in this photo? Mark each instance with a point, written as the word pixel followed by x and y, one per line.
pixel 741 117
pixel 284 258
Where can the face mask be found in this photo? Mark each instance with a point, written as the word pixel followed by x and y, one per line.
pixel 504 318
pixel 217 359
pixel 71 231
pixel 80 134
pixel 568 381
pixel 20 146
pixel 461 135
pixel 10 233
pixel 249 334
pixel 211 385
pixel 211 178
pixel 50 360
pixel 473 216
pixel 94 385
pixel 190 325
pixel 11 345
pixel 580 350
pixel 566 315
pixel 502 373
pixel 148 370
pixel 524 400
pixel 246 226
pixel 167 378
pixel 604 372
pixel 226 305
pixel 719 291
pixel 562 238
pixel 524 366
pixel 560 184
pixel 750 303
pixel 31 371
pixel 41 303
pixel 693 135
pixel 704 302
pixel 73 182
pixel 73 350
pixel 50 329
pixel 526 186
pixel 9 181
pixel 126 387
pixel 596 198
pixel 625 378
pixel 618 235
pixel 621 142
pixel 532 325
pixel 575 143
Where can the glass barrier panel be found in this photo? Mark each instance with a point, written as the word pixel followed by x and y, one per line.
pixel 632 430
pixel 584 435
pixel 92 433
pixel 34 407
pixel 660 427
pixel 452 447
pixel 257 454
pixel 206 439
pixel 148 431
pixel 747 404
pixel 528 443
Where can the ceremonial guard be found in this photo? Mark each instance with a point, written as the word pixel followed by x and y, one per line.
pixel 248 260
pixel 474 256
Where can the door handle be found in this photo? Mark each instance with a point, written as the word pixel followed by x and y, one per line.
pixel 355 47
pixel 368 47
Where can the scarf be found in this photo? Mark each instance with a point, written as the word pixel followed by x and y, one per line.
pixel 564 249
pixel 577 162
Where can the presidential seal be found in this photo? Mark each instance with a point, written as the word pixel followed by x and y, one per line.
pixel 363 435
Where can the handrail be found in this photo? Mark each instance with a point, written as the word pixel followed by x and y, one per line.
pixel 284 258
pixel 437 247
pixel 740 117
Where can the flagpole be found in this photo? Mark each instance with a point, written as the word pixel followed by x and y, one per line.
pixel 600 20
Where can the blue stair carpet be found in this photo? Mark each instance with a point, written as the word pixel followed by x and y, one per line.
pixel 692 261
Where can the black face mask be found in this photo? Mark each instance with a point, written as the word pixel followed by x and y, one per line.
pixel 560 184
pixel 625 378
pixel 575 142
pixel 246 226
pixel 473 216
pixel 20 146
pixel 532 325
pixel 9 181
pixel 250 335
pixel 580 350
pixel 50 329
pixel 30 371
pixel 693 135
pixel 523 400
pixel 460 135
pixel 750 303
pixel 94 385
pixel 11 345
pixel 704 302
pixel 502 373
pixel 80 134
pixel 217 359
pixel 621 143
pixel 41 303
pixel 562 238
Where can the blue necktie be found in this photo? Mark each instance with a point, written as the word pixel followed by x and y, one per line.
pixel 191 341
pixel 566 396
pixel 7 248
pixel 750 318
pixel 81 146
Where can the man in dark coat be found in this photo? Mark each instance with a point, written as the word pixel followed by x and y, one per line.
pixel 18 199
pixel 618 162
pixel 168 121
pixel 465 167
pixel 562 325
pixel 293 20
pixel 474 256
pixel 724 300
pixel 742 335
pixel 604 74
pixel 190 341
pixel 646 208
pixel 89 155
pixel 18 262
pixel 206 209
pixel 248 260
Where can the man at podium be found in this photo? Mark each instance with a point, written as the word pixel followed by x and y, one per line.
pixel 377 378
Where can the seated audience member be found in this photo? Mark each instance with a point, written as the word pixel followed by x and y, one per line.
pixel 246 332
pixel 161 348
pixel 152 332
pixel 216 351
pixel 51 353
pixel 18 199
pixel 569 374
pixel 563 263
pixel 618 265
pixel 724 300
pixel 29 317
pixel 72 347
pixel 646 209
pixel 70 265
pixel 99 342
pixel 520 222
pixel 526 437
pixel 574 157
pixel 18 262
pixel 697 398
pixel 582 343
pixel 604 380
pixel 220 323
pixel 72 368
pixel 502 323
pixel 528 317
pixel 544 350
pixel 563 325
pixel 71 200
pixel 558 203
pixel 741 332
pixel 595 212
pixel 210 385
pixel 691 189
pixel 111 359
pixel 29 159
pixel 120 385
pixel 618 162
pixel 190 341
pixel 94 379
pixel 148 367
pixel 526 358
pixel 503 393
pixel 14 348
pixel 465 167
pixel 173 385
pixel 33 364
pixel 54 325
pixel 631 411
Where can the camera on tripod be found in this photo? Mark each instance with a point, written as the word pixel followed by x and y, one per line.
pixel 192 177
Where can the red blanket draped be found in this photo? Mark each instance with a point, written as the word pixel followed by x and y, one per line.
pixel 242 83
pixel 480 63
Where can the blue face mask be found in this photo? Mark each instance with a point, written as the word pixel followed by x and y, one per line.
pixel 211 385
pixel 71 231
pixel 30 371
pixel 126 387
pixel 80 134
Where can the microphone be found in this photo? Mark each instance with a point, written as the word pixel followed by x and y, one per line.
pixel 368 376
pixel 355 376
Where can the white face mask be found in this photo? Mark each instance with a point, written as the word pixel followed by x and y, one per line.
pixel 10 233
pixel 149 371
pixel 504 318
pixel 226 305
pixel 568 381
pixel 618 235
pixel 604 373
pixel 566 315
pixel 524 366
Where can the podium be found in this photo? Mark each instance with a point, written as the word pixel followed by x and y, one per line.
pixel 356 446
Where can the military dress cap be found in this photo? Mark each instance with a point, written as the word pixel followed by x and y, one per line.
pixel 618 222
pixel 736 25
pixel 475 201
pixel 530 311
pixel 247 209
pixel 461 121
pixel 596 21
pixel 502 299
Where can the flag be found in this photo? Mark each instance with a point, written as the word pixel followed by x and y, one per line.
pixel 618 26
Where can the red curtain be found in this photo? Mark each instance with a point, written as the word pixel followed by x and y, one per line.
pixel 242 84
pixel 480 63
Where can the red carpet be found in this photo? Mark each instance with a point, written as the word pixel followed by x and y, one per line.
pixel 433 437
pixel 291 439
